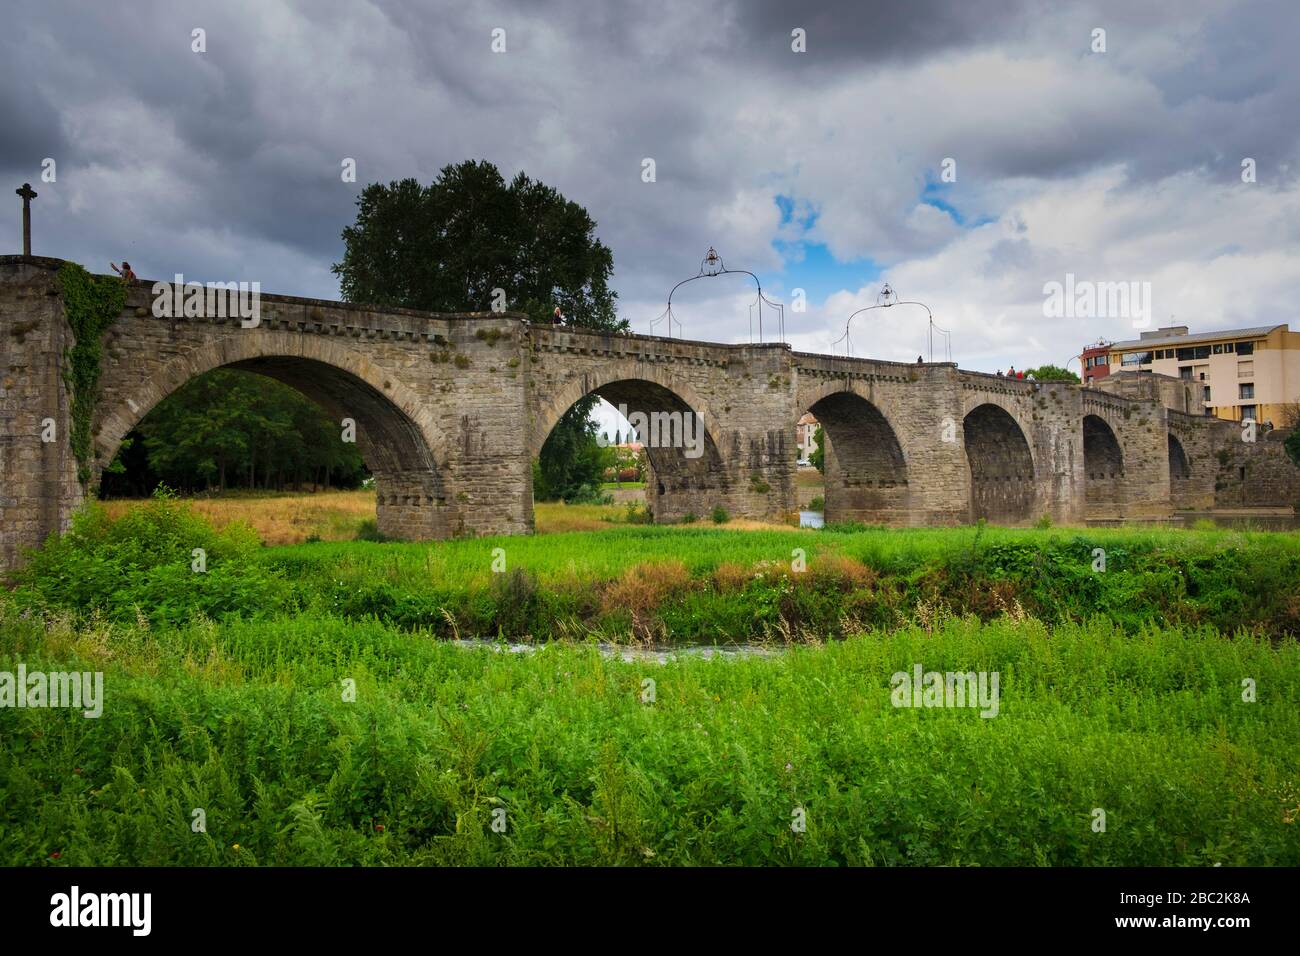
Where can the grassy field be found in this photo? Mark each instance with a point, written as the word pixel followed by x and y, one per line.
pixel 348 515
pixel 1121 691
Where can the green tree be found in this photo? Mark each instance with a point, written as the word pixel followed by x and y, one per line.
pixel 1292 446
pixel 818 457
pixel 445 247
pixel 1051 373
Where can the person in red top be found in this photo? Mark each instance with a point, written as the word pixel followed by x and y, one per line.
pixel 125 272
pixel 1020 375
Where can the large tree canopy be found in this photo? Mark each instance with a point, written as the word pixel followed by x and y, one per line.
pixel 445 247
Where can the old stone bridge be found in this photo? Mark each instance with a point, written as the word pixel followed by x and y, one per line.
pixel 451 409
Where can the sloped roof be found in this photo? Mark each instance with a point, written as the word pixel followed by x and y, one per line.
pixel 1254 332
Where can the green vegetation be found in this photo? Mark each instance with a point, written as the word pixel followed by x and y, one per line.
pixel 693 583
pixel 818 456
pixel 91 304
pixel 231 429
pixel 248 722
pixel 229 690
pixel 1052 373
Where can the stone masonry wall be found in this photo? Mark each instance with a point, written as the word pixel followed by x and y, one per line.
pixel 1256 474
pixel 38 479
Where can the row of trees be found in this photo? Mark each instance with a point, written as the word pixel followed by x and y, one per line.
pixel 230 429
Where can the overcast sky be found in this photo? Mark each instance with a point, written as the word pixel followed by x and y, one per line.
pixel 819 170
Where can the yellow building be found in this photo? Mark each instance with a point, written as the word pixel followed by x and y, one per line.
pixel 1238 373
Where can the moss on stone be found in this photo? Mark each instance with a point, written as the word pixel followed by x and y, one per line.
pixel 91 304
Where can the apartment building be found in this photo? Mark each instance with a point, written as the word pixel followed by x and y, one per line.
pixel 1236 373
pixel 1095 361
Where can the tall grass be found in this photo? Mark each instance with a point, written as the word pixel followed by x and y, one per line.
pixel 246 720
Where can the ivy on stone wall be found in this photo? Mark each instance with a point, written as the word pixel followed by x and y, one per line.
pixel 91 304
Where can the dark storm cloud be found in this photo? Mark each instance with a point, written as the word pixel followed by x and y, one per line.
pixel 229 161
pixel 854 34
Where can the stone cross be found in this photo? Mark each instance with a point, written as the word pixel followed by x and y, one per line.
pixel 28 195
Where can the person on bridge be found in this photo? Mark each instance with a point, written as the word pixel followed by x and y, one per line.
pixel 125 272
pixel 558 317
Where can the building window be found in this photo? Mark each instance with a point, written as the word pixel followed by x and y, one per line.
pixel 1136 358
pixel 1245 369
pixel 1247 390
pixel 1185 373
pixel 1191 354
pixel 1217 349
pixel 1205 394
pixel 1228 348
pixel 1247 412
pixel 1245 348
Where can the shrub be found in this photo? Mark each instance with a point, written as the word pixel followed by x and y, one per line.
pixel 160 559
pixel 720 515
pixel 644 587
pixel 690 518
pixel 817 504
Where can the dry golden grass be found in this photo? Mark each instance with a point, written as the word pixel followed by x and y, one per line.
pixel 552 517
pixel 643 587
pixel 843 572
pixel 339 515
pixel 732 576
pixel 284 519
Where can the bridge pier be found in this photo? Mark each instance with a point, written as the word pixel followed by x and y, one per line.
pixel 39 490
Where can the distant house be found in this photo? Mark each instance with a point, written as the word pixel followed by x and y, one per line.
pixel 805 435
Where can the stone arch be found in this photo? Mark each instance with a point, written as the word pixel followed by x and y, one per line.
pixel 1103 464
pixel 580 386
pixel 1001 465
pixel 396 435
pixel 1180 466
pixel 687 474
pixel 865 467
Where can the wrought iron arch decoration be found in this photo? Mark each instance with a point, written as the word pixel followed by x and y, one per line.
pixel 887 298
pixel 710 266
